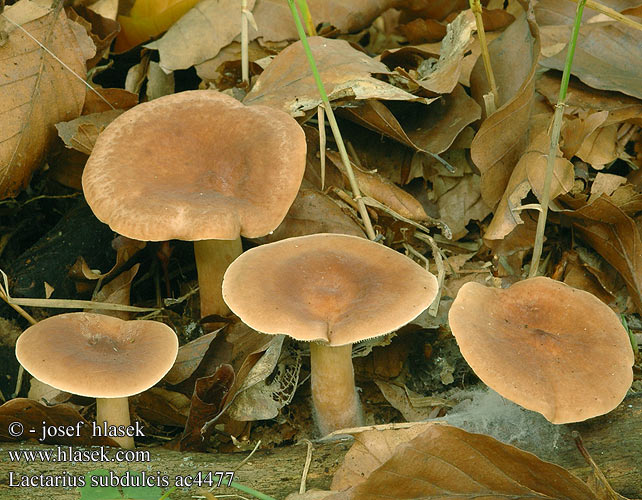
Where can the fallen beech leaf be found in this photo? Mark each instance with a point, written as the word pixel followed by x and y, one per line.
pixel 603 56
pixel 412 406
pixel 210 394
pixel 437 129
pixel 575 131
pixel 461 204
pixel 444 75
pixel 605 184
pixel 162 407
pixel 287 83
pixel 527 176
pixel 147 19
pixel 37 91
pixel 117 291
pixel 274 19
pixel 370 450
pixel 189 357
pixel 423 30
pixel 445 462
pixel 82 132
pixel 101 30
pixel 260 399
pixel 31 416
pixel 384 191
pixel 313 212
pixel 600 147
pixel 615 236
pixel 200 34
pixel 503 136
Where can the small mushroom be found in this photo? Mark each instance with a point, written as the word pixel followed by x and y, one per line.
pixel 197 166
pixel 331 290
pixel 101 357
pixel 546 346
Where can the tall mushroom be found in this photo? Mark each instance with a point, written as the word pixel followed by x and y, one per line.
pixel 197 166
pixel 546 346
pixel 101 357
pixel 331 290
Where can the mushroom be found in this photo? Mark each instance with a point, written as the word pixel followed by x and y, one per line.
pixel 331 290
pixel 101 357
pixel 546 346
pixel 197 166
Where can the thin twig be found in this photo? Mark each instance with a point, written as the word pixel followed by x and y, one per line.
pixel 245 460
pixel 555 137
pixel 306 467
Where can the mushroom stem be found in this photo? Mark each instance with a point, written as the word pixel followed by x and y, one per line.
pixel 114 412
pixel 212 260
pixel 335 398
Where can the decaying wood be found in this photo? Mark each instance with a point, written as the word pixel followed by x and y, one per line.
pixel 614 440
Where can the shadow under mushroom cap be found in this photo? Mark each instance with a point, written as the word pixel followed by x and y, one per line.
pixel 546 346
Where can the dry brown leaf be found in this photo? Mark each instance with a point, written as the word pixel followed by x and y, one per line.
pixel 575 131
pixel 603 56
pixel 551 12
pixel 600 147
pixel 413 406
pixel 580 96
pixel 503 137
pixel 423 30
pixel 436 129
pixel 384 191
pixel 31 415
pixel 444 75
pixel 527 176
pixel 370 450
pixel 615 236
pixel 36 90
pixel 461 204
pixel 200 34
pixel 313 212
pixel 189 357
pixel 274 19
pixel 445 462
pixel 101 30
pixel 208 399
pixel 287 83
pixel 162 407
pixel 81 133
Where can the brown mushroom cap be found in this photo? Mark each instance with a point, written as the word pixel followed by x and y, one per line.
pixel 96 355
pixel 544 345
pixel 333 288
pixel 195 165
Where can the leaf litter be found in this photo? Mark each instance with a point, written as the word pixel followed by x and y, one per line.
pixel 426 99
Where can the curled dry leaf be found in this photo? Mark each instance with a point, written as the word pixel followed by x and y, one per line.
pixel 274 19
pixel 444 75
pixel 287 83
pixel 603 56
pixel 527 176
pixel 445 462
pixel 615 236
pixel 503 137
pixel 210 395
pixel 200 34
pixel 32 414
pixel 384 191
pixel 189 357
pixel 36 90
pixel 81 133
